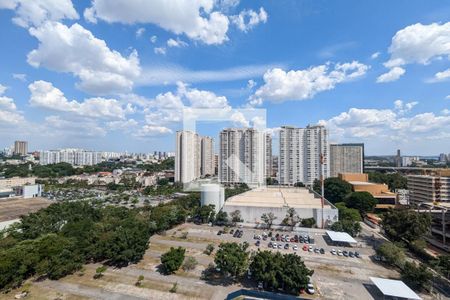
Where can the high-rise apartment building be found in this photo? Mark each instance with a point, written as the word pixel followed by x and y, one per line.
pixel 269 159
pixel 207 156
pixel 301 152
pixel 194 156
pixel 187 156
pixel 242 157
pixel 346 158
pixel 20 148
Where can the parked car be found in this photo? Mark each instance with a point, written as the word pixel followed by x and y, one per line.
pixel 345 253
pixel 295 248
pixel 270 245
pixel 339 252
pixel 272 239
pixel 357 254
pixel 310 249
pixel 333 251
pixel 322 251
pixel 310 289
pixel 279 246
pixel 257 243
pixel 231 231
pixel 286 246
pixel 305 248
pixel 316 250
pixel 219 232
pixel 350 253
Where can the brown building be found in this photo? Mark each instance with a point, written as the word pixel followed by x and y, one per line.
pixel 380 191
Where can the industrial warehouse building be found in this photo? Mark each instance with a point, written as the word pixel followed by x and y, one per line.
pixel 278 200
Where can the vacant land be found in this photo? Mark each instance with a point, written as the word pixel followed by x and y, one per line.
pixel 11 209
pixel 335 277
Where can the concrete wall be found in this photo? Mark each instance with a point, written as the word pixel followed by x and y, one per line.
pixel 31 191
pixel 253 214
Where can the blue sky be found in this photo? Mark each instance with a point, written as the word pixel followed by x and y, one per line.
pixel 116 75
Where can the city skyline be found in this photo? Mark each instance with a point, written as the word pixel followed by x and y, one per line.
pixel 85 76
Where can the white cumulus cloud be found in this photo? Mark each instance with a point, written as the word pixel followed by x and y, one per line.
pixel 195 18
pixel 37 12
pixel 76 50
pixel 247 19
pixel 392 75
pixel 280 85
pixel 45 95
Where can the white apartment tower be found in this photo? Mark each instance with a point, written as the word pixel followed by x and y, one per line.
pixel 187 156
pixel 300 154
pixel 346 158
pixel 242 157
pixel 269 159
pixel 207 156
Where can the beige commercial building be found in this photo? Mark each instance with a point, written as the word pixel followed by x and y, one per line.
pixel 346 158
pixel 380 191
pixel 429 189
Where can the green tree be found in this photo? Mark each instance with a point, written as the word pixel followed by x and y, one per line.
pixel 280 271
pixel 417 277
pixel 405 224
pixel 172 260
pixel 309 222
pixel 221 217
pixel 209 249
pixel 346 213
pixel 189 264
pixel 351 227
pixel 99 271
pixel 291 218
pixel 139 280
pixel 268 218
pixel 232 259
pixel 236 216
pixel 393 254
pixel 364 202
pixel 443 264
pixel 394 180
pixel 335 189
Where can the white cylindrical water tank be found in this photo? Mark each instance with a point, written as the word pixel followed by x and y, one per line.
pixel 212 194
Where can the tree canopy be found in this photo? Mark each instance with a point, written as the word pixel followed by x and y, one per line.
pixel 364 202
pixel 172 260
pixel 335 189
pixel 280 271
pixel 405 224
pixel 232 258
pixel 393 254
pixel 394 180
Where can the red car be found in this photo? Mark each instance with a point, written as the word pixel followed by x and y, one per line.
pixel 305 248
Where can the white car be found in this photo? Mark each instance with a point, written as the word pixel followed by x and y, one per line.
pixel 274 245
pixel 339 252
pixel 310 289
pixel 310 249
pixel 295 248
pixel 333 251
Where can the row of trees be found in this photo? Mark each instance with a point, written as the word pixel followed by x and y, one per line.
pixel 57 240
pixel 416 276
pixel 277 272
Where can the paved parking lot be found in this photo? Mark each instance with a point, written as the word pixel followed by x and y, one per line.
pixel 335 277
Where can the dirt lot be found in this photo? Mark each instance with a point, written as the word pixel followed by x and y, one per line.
pixel 335 277
pixel 14 208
